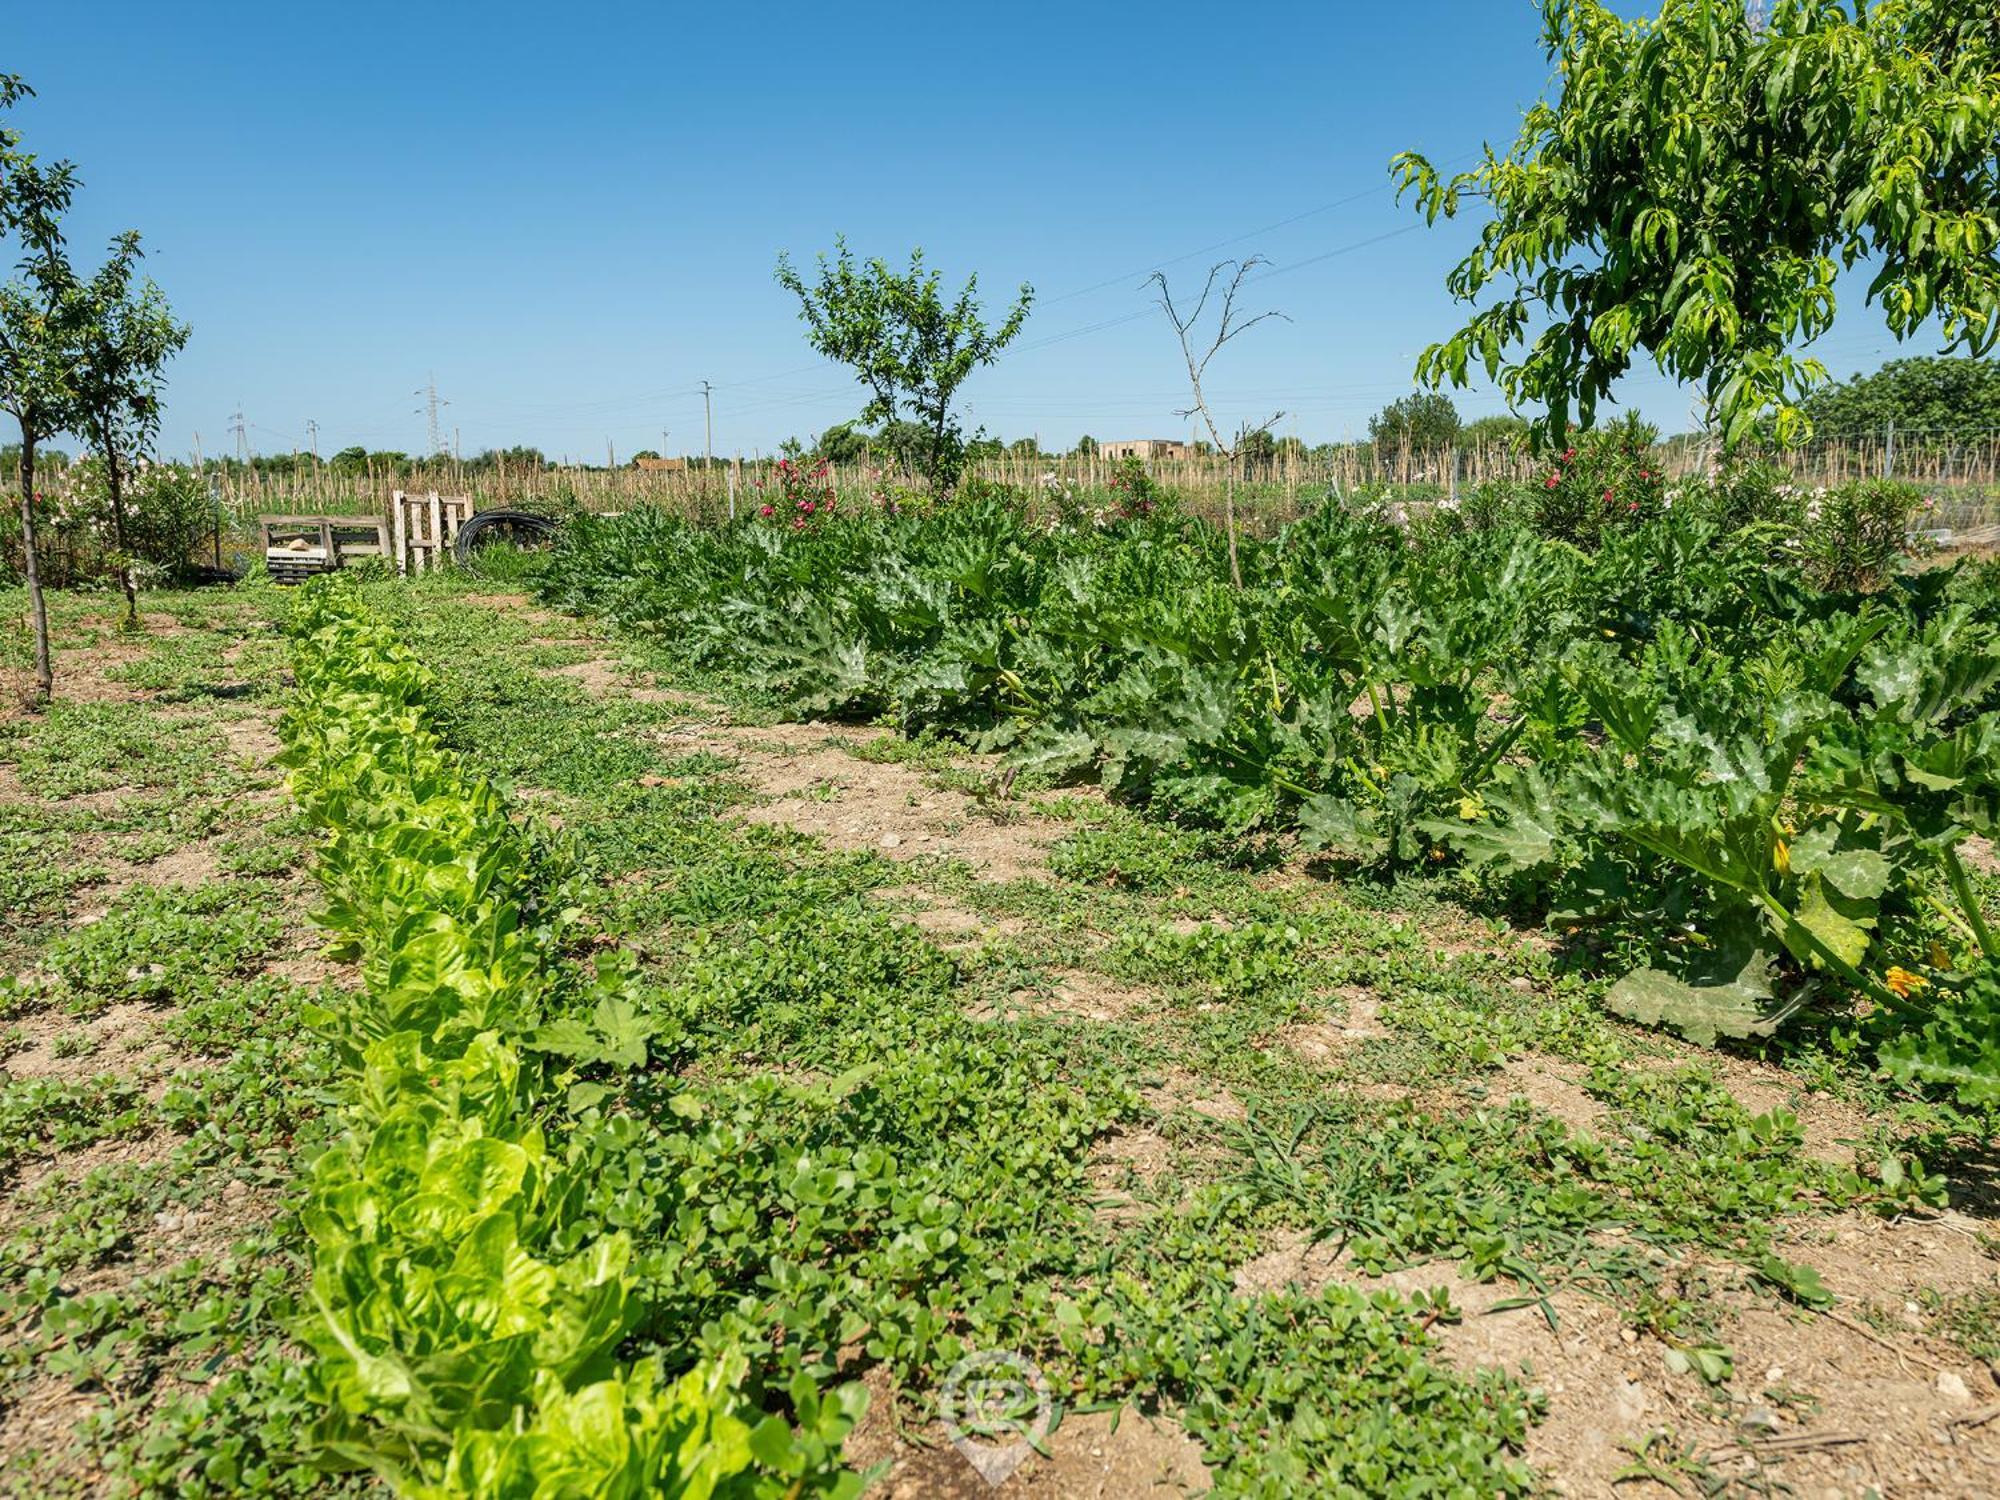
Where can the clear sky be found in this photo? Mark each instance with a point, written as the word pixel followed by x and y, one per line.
pixel 569 215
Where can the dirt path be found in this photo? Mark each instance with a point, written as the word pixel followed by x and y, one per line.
pixel 838 783
pixel 180 912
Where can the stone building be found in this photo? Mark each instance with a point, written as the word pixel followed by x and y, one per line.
pixel 1147 448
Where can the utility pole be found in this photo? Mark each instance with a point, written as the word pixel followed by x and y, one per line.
pixel 312 436
pixel 708 433
pixel 455 458
pixel 431 404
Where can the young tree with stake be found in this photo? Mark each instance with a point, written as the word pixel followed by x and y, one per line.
pixel 126 335
pixel 1229 323
pixel 905 343
pixel 37 345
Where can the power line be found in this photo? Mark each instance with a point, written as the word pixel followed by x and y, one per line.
pixel 1366 193
pixel 705 389
pixel 1286 269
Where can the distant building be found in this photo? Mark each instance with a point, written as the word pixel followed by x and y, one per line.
pixel 661 465
pixel 1144 448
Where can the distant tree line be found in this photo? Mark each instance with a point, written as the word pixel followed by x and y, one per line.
pixel 1935 394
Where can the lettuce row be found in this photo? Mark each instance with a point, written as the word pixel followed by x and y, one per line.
pixel 456 1355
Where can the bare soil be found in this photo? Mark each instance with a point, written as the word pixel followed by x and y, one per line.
pixel 812 781
pixel 39 1425
pixel 1097 1454
pixel 1843 1412
pixel 815 784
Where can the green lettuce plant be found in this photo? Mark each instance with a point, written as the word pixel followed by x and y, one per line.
pixel 467 1342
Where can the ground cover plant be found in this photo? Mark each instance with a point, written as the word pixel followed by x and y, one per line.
pixel 1247 1162
pixel 158 1089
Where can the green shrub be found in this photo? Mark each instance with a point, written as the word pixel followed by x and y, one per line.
pixel 1752 493
pixel 1852 539
pixel 1604 480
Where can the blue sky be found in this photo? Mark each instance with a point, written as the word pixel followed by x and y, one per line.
pixel 570 215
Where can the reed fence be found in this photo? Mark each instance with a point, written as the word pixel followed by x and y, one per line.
pixel 1945 460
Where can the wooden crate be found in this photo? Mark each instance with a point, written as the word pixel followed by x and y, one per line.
pixel 318 544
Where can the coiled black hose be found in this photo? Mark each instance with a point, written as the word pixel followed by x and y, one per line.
pixel 516 525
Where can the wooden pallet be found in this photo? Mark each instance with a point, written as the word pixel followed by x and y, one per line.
pixel 426 526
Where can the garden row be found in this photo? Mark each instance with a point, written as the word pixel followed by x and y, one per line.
pixel 467 1322
pixel 763 1137
pixel 1712 732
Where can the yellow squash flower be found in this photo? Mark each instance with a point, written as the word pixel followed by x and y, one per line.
pixel 1903 983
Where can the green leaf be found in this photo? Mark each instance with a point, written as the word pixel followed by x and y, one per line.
pixel 1800 1283
pixel 1859 873
pixel 1056 752
pixel 1846 935
pixel 481 1176
pixel 1703 1008
pixel 771 1443
pixel 1519 831
pixel 1338 827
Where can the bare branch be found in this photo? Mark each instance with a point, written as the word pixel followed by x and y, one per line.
pixel 1244 429
pixel 1250 323
pixel 1228 326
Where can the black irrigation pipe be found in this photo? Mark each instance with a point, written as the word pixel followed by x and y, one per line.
pixel 520 524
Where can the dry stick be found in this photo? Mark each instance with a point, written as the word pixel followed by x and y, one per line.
pixel 1226 329
pixel 1975 1418
pixel 1875 1338
pixel 1797 1442
pixel 127 580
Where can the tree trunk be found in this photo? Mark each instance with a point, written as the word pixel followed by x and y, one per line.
pixel 126 577
pixel 941 481
pixel 1229 521
pixel 38 609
